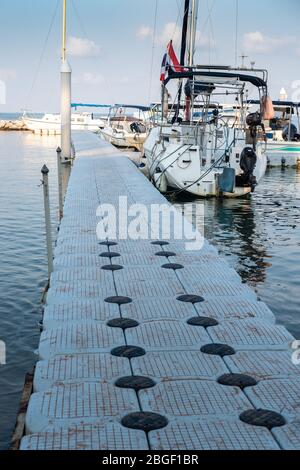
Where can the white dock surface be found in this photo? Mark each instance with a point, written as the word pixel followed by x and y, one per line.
pixel 77 405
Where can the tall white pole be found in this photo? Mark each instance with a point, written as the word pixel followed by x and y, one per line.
pixel 66 90
pixel 60 186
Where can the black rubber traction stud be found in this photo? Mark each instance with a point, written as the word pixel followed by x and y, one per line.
pixel 173 266
pixel 144 421
pixel 191 299
pixel 263 418
pixel 158 243
pixel 124 323
pixel 205 322
pixel 108 244
pixel 110 255
pixel 119 300
pixel 221 350
pixel 135 382
pixel 166 254
pixel 237 380
pixel 112 267
pixel 128 351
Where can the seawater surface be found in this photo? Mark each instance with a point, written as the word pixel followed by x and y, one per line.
pixel 23 263
pixel 260 237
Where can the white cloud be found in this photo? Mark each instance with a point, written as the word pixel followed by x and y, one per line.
pixel 144 32
pixel 257 42
pixel 8 74
pixel 173 31
pixel 123 80
pixel 89 78
pixel 298 52
pixel 80 47
pixel 203 42
pixel 170 31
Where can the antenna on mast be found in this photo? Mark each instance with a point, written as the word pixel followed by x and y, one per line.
pixel 243 57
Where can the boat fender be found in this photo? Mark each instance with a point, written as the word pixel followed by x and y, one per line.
pixel 267 107
pixel 160 181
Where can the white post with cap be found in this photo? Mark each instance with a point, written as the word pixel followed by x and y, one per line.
pixel 60 183
pixel 45 173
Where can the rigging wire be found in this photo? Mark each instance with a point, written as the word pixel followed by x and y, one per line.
pixel 86 36
pixel 37 71
pixel 179 17
pixel 78 17
pixel 212 32
pixel 153 51
pixel 236 30
pixel 208 22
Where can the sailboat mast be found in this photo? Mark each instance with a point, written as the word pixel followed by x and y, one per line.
pixel 193 18
pixel 184 31
pixel 66 88
pixel 64 35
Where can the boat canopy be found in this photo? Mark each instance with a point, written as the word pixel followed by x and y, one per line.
pixel 218 77
pixel 117 105
pixel 284 104
pixel 131 106
pixel 83 105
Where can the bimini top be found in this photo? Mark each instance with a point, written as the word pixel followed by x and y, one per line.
pixel 284 104
pixel 131 106
pixel 218 77
pixel 83 105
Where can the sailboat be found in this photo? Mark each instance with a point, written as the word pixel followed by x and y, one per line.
pixel 194 147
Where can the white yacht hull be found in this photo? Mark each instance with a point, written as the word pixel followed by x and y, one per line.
pixel 124 139
pixel 43 126
pixel 182 167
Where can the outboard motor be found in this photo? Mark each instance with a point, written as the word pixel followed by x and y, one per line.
pixel 247 163
pixel 254 120
pixel 138 127
pixel 291 133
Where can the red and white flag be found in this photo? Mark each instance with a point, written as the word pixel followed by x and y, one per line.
pixel 170 62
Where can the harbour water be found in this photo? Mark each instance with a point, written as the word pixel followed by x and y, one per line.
pixel 260 237
pixel 23 268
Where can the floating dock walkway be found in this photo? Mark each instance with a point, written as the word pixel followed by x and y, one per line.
pixel 149 346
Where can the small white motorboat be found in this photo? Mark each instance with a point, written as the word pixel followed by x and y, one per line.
pixel 283 134
pixel 83 121
pixel 127 126
pixel 51 123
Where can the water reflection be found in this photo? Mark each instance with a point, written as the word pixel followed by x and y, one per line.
pixel 260 238
pixel 23 268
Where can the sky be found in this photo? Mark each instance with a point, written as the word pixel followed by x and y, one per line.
pixel 115 47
